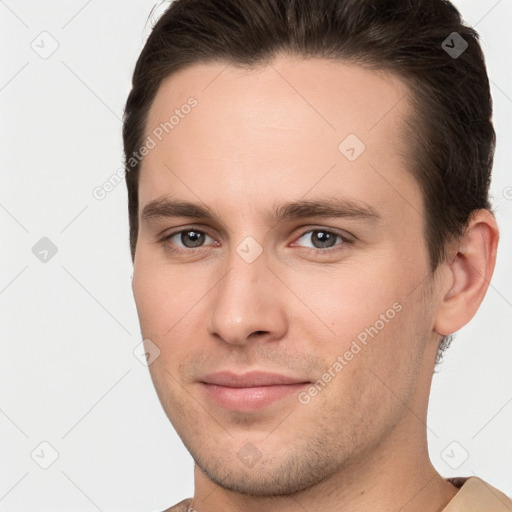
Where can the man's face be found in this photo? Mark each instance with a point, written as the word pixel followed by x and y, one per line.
pixel 340 302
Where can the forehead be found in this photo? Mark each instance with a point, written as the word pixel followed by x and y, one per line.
pixel 292 125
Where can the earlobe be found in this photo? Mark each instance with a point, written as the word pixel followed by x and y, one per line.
pixel 468 274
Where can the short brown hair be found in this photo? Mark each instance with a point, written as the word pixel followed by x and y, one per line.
pixel 451 136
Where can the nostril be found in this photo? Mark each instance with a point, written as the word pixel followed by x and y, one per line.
pixel 257 332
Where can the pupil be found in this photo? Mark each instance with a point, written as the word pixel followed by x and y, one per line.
pixel 322 239
pixel 195 238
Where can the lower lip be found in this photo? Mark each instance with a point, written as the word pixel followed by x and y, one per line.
pixel 249 399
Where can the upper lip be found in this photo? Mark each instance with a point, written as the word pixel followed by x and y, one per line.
pixel 249 379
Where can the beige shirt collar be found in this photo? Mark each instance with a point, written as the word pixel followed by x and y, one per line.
pixel 475 495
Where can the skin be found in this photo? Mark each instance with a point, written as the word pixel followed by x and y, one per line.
pixel 259 138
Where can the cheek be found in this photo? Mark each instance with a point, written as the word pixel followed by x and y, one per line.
pixel 172 308
pixel 366 327
pixel 375 373
pixel 161 296
pixel 346 300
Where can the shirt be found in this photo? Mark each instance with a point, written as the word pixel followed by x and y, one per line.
pixel 474 495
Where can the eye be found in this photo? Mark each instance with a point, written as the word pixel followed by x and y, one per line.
pixel 321 239
pixel 187 238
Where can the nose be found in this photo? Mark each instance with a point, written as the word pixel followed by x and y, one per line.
pixel 247 303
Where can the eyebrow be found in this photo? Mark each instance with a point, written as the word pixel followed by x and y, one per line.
pixel 326 208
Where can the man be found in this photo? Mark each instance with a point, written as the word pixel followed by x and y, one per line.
pixel 309 223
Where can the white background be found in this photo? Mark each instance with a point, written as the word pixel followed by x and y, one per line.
pixel 69 326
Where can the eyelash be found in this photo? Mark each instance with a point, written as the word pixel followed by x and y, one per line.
pixel 169 246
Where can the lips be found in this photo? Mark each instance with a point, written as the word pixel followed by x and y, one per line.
pixel 249 391
pixel 250 379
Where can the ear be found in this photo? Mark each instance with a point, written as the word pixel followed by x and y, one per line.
pixel 468 273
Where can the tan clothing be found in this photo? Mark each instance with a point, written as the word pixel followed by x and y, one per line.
pixel 475 495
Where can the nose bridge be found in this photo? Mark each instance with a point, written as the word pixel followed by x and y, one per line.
pixel 243 301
